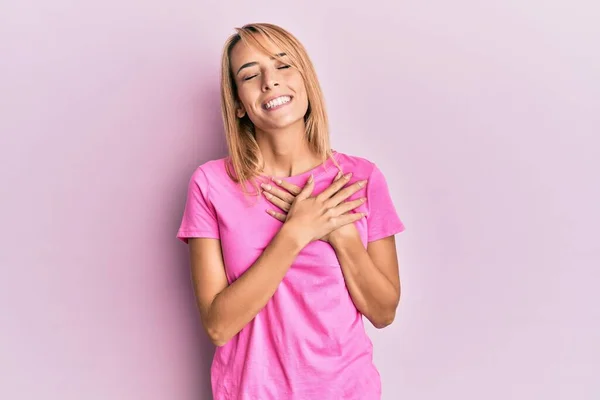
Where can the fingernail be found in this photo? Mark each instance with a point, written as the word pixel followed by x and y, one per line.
pixel 278 181
pixel 362 183
pixel 338 175
pixel 348 175
pixel 362 200
pixel 310 179
pixel 265 186
pixel 268 195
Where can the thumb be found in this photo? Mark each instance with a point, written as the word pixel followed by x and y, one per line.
pixel 307 189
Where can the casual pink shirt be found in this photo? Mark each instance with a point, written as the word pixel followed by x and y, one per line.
pixel 309 341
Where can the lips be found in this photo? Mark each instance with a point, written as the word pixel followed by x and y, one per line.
pixel 276 102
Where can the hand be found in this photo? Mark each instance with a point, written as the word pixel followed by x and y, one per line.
pixel 330 199
pixel 283 199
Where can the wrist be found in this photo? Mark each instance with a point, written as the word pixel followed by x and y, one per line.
pixel 343 236
pixel 335 239
pixel 291 234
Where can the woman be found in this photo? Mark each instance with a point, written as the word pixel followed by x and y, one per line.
pixel 281 294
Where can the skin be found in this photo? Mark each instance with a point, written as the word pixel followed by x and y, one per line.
pixel 371 275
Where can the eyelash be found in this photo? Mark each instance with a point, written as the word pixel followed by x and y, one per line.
pixel 282 67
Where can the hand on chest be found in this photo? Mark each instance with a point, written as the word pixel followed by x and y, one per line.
pixel 246 229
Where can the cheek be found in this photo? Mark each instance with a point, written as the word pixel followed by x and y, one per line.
pixel 303 99
pixel 302 94
pixel 248 94
pixel 243 97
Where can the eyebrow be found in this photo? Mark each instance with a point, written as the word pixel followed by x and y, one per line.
pixel 253 63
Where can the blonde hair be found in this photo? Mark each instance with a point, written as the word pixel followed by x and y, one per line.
pixel 243 161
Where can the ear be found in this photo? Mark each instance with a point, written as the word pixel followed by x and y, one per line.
pixel 240 111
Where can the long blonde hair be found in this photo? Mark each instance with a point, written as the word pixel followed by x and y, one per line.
pixel 243 162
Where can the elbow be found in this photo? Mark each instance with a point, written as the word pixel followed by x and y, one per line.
pixel 384 320
pixel 218 342
pixel 215 328
pixel 384 317
pixel 216 336
pixel 216 332
pixel 387 316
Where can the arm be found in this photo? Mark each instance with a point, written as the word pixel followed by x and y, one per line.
pixel 225 310
pixel 371 275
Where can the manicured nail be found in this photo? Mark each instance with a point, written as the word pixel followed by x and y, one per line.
pixel 265 186
pixel 362 183
pixel 277 181
pixel 348 175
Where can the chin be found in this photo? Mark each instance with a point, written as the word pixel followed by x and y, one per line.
pixel 281 121
pixel 287 123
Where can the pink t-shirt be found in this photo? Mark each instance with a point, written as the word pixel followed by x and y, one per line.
pixel 309 341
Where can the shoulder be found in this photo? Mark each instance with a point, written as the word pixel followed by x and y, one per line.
pixel 213 167
pixel 210 170
pixel 359 166
pixel 207 173
pixel 363 168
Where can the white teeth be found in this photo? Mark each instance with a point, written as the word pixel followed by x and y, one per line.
pixel 278 101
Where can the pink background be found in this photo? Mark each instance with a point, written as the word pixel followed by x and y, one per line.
pixel 484 117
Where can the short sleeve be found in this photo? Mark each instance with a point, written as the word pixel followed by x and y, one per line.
pixel 199 217
pixel 382 217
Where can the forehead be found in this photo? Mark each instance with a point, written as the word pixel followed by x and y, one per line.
pixel 242 53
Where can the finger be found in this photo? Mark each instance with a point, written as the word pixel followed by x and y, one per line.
pixel 347 206
pixel 307 189
pixel 334 187
pixel 344 194
pixel 349 218
pixel 285 196
pixel 338 176
pixel 293 189
pixel 284 205
pixel 277 215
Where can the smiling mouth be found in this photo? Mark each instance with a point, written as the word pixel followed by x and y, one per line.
pixel 277 103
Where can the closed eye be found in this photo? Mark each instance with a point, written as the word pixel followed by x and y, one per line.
pixel 253 76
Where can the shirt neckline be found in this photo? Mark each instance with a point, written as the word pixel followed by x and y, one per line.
pixel 315 171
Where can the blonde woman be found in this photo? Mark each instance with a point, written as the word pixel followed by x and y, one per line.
pixel 282 293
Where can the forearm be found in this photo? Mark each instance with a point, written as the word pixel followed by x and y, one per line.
pixel 372 292
pixel 242 300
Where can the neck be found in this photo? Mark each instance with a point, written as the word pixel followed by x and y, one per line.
pixel 286 152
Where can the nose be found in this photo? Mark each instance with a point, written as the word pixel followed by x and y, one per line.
pixel 270 80
pixel 270 84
